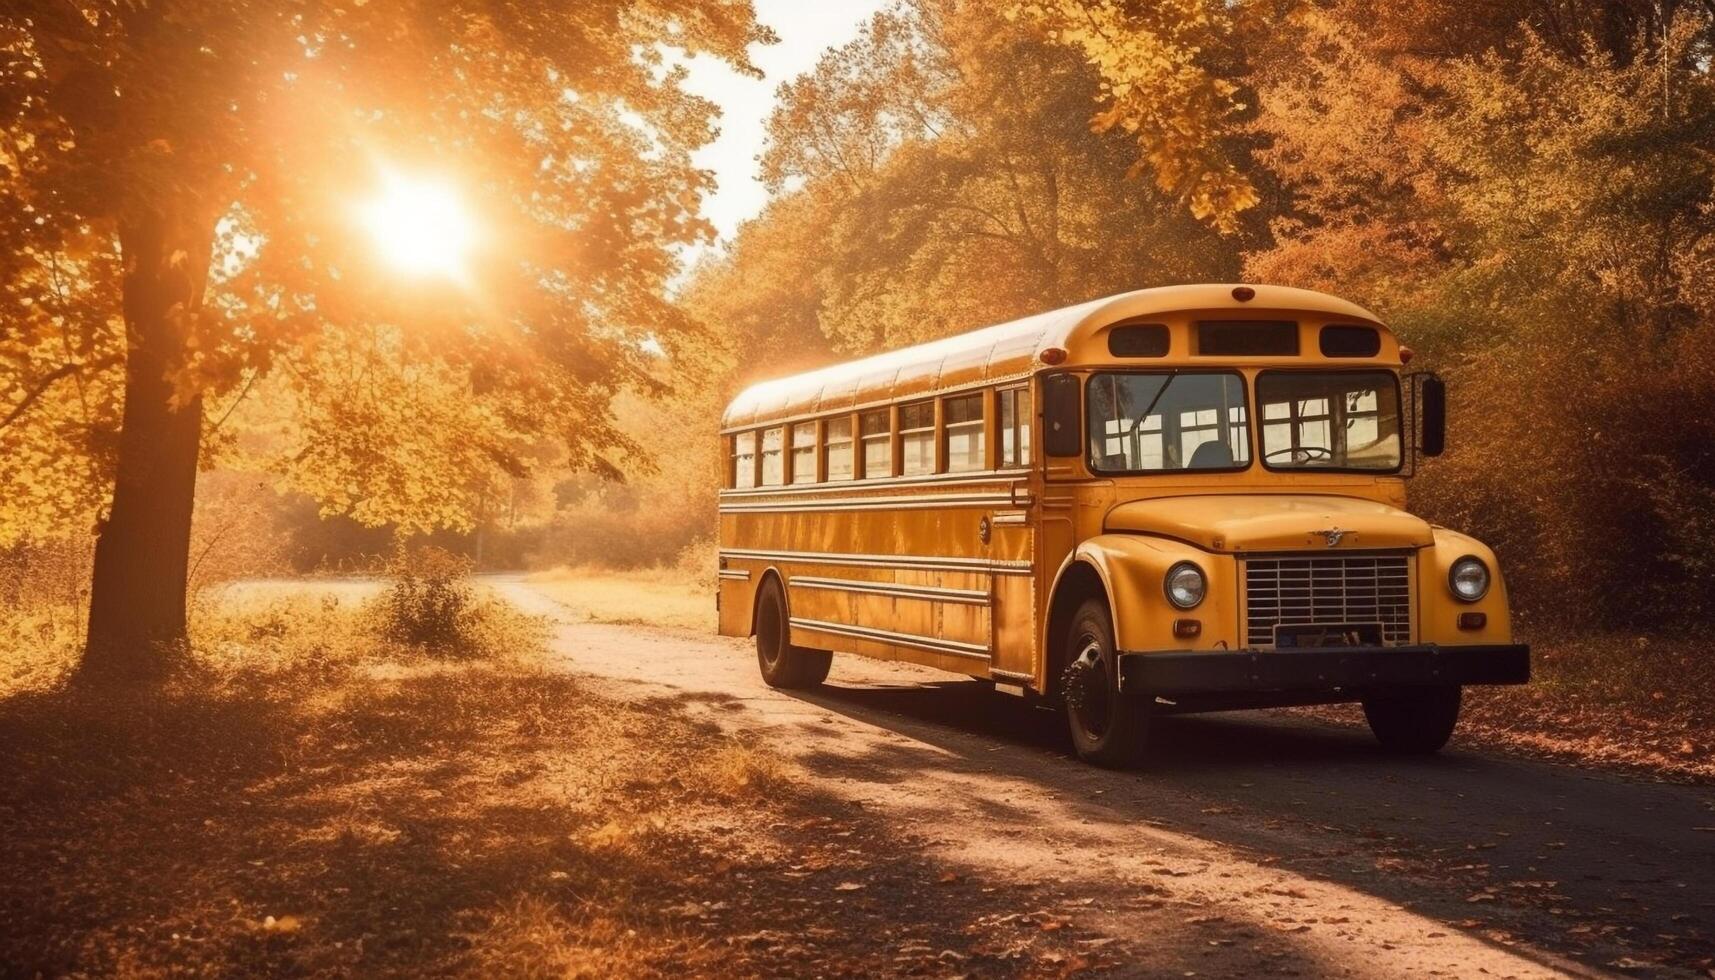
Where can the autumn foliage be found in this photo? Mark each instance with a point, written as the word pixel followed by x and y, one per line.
pixel 177 233
pixel 1525 190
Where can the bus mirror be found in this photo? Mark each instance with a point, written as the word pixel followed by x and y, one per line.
pixel 1433 416
pixel 1060 415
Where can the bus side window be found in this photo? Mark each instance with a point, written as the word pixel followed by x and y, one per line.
pixel 773 466
pixel 965 436
pixel 917 439
pixel 743 461
pixel 804 452
pixel 1015 427
pixel 838 447
pixel 1060 396
pixel 877 432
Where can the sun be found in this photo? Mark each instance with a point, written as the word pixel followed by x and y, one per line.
pixel 420 226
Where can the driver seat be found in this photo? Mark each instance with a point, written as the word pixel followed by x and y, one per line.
pixel 1212 455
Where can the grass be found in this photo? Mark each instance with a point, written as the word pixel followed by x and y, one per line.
pixel 310 797
pixel 670 597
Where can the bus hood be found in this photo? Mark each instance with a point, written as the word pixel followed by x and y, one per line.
pixel 1273 522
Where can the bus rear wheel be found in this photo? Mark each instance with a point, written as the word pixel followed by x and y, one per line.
pixel 1414 722
pixel 1109 729
pixel 784 665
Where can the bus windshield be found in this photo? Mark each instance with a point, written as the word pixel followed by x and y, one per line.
pixel 1184 420
pixel 1340 420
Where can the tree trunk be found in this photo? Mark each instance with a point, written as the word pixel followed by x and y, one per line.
pixel 142 551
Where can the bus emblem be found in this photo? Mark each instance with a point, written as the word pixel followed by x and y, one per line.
pixel 1333 536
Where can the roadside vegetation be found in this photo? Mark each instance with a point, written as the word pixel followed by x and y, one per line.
pixel 399 782
pixel 1639 702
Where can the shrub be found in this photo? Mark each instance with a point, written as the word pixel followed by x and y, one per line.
pixel 429 599
pixel 431 604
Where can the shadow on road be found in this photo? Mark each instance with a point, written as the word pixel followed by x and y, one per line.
pixel 1591 865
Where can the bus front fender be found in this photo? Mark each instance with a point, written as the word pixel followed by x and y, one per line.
pixel 1133 569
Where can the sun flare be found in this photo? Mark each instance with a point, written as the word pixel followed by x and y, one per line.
pixel 420 226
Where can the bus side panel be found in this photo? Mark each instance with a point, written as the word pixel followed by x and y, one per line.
pixel 1015 626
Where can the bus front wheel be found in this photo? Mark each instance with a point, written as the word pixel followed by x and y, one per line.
pixel 1108 728
pixel 784 665
pixel 1414 722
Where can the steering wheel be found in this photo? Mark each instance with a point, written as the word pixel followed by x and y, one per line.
pixel 1301 454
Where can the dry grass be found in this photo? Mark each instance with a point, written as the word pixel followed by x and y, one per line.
pixel 671 597
pixel 311 798
pixel 1634 702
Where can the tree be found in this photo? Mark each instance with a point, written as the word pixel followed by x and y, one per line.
pixel 1172 74
pixel 1526 192
pixel 180 179
pixel 943 172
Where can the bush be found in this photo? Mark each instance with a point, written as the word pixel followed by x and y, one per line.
pixel 432 605
pixel 430 600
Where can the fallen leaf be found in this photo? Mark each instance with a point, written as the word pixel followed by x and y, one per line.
pixel 848 886
pixel 284 924
pixel 947 878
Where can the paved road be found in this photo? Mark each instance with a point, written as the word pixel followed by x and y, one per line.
pixel 1252 842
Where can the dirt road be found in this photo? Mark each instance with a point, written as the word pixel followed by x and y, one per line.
pixel 1252 843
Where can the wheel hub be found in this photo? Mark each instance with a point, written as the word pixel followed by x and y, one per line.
pixel 1085 684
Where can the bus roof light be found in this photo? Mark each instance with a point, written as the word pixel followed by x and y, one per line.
pixel 1053 356
pixel 1406 354
pixel 1244 294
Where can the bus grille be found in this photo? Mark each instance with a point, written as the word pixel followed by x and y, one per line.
pixel 1332 590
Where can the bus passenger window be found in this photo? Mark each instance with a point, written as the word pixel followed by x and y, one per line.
pixel 773 467
pixel 840 448
pixel 744 460
pixel 964 424
pixel 1015 427
pixel 804 452
pixel 877 445
pixel 917 439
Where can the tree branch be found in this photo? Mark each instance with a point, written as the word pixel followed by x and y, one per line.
pixel 63 371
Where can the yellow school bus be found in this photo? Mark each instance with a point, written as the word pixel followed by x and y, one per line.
pixel 1188 498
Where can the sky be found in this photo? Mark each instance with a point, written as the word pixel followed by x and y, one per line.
pixel 806 29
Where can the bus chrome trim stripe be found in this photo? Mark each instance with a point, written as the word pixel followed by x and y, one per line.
pixel 846 486
pixel 974 651
pixel 908 563
pixel 736 574
pixel 921 502
pixel 1011 675
pixel 1015 519
pixel 969 597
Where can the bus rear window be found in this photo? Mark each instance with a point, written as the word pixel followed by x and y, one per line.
pixel 1247 338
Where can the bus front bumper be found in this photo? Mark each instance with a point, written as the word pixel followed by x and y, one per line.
pixel 1171 672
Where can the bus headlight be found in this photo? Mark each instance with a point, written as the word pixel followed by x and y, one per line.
pixel 1186 585
pixel 1469 578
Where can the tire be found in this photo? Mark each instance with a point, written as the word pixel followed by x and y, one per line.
pixel 1414 722
pixel 784 665
pixel 1109 729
